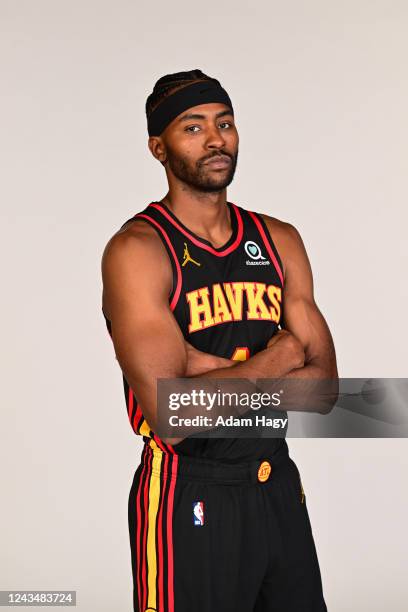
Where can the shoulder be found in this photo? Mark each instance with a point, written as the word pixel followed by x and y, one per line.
pixel 135 252
pixel 281 229
pixel 135 238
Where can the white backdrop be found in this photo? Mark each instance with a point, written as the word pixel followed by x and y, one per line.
pixel 320 95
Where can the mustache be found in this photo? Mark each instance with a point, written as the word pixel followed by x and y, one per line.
pixel 215 155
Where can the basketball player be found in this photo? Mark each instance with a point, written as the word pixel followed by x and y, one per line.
pixel 193 286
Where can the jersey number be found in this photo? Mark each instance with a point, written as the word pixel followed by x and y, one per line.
pixel 241 353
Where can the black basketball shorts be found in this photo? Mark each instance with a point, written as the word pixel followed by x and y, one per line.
pixel 216 537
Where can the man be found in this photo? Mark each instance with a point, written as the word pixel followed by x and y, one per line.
pixel 195 286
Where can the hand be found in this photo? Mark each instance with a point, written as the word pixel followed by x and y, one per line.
pixel 199 362
pixel 286 341
pixel 277 337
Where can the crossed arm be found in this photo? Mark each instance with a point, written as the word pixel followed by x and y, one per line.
pixel 304 322
pixel 301 315
pixel 148 343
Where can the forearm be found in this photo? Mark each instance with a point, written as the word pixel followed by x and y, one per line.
pixel 271 362
pixel 318 392
pixel 315 370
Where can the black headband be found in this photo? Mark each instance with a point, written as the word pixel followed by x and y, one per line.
pixel 200 92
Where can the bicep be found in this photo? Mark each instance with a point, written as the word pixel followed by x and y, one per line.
pixel 147 340
pixel 301 315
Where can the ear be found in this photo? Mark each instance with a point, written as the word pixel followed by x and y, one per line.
pixel 157 148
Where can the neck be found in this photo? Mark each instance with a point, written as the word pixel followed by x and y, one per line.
pixel 205 214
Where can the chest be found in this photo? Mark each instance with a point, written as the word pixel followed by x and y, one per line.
pixel 242 287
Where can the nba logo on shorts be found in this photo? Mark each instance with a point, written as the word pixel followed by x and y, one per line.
pixel 198 513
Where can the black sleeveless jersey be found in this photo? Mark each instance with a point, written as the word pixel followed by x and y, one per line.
pixel 228 301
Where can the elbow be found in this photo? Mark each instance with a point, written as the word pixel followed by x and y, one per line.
pixel 171 441
pixel 325 408
pixel 330 392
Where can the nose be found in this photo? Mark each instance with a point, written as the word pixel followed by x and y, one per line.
pixel 215 139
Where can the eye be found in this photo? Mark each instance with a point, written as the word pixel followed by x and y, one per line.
pixel 226 123
pixel 191 128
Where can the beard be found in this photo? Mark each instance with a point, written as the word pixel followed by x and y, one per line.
pixel 199 176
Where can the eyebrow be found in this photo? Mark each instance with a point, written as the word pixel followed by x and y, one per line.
pixel 197 116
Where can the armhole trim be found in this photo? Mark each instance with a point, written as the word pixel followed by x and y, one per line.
pixel 268 243
pixel 175 293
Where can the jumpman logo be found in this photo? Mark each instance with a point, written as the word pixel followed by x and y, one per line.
pixel 187 257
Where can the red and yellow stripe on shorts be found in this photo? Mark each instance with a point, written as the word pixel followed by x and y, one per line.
pixel 154 535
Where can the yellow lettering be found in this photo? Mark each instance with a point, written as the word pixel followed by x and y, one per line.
pixel 234 293
pixel 257 309
pixel 200 309
pixel 221 311
pixel 275 296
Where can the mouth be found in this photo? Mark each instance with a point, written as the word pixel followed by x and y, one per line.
pixel 219 162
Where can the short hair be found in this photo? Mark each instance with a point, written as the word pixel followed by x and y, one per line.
pixel 170 83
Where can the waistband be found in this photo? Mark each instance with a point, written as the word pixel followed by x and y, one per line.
pixel 207 470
